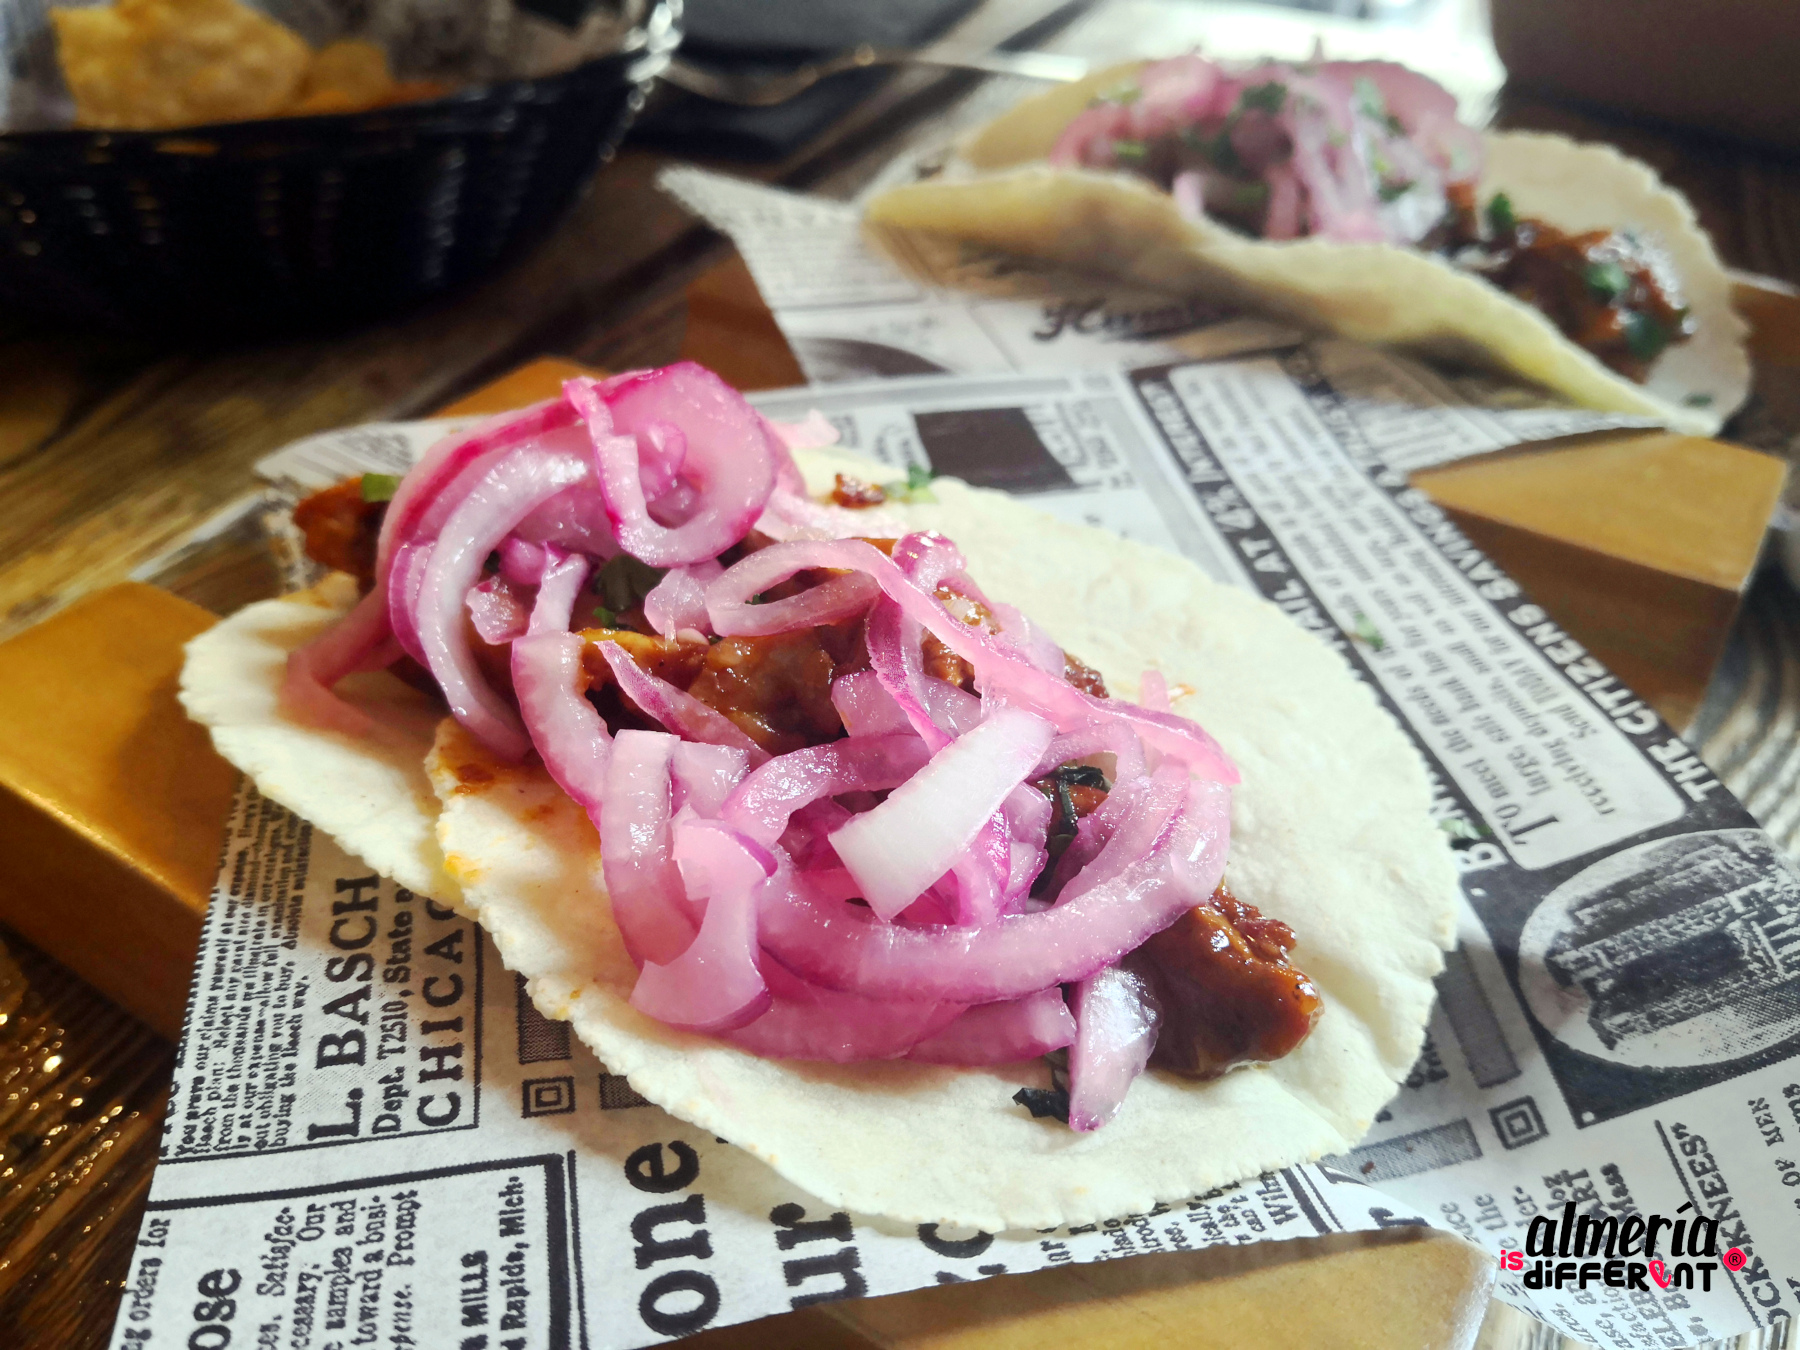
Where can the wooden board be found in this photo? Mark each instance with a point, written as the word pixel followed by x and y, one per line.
pixel 118 801
pixel 111 801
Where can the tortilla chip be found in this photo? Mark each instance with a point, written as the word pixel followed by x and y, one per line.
pixel 1003 195
pixel 1331 833
pixel 346 76
pixel 148 64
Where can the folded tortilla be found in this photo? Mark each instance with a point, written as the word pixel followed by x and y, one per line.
pixel 1001 193
pixel 1331 832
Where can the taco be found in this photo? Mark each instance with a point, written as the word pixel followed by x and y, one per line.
pixel 1347 197
pixel 823 845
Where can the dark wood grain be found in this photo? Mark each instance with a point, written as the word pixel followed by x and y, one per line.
pixel 112 452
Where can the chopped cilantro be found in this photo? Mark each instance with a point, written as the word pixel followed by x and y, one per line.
pixel 1500 214
pixel 1053 1102
pixel 1389 191
pixel 1369 101
pixel 624 582
pixel 1698 400
pixel 1130 152
pixel 1607 280
pixel 1223 153
pixel 1247 196
pixel 1459 827
pixel 599 616
pixel 1123 94
pixel 1644 336
pixel 380 487
pixel 1263 97
pixel 915 489
pixel 1365 632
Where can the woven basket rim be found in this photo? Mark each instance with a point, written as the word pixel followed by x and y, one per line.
pixel 649 43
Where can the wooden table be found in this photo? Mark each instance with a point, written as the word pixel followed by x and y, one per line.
pixel 112 452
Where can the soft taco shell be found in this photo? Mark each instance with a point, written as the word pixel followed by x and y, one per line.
pixel 1331 833
pixel 372 796
pixel 1002 194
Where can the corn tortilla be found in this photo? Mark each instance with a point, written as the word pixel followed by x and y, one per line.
pixel 1331 832
pixel 1001 193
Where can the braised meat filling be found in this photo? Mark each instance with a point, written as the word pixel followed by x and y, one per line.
pixel 1604 289
pixel 342 527
pixel 1220 976
pixel 1228 992
pixel 855 494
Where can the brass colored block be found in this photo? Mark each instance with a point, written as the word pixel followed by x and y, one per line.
pixel 111 801
pixel 1641 545
pixel 1350 1291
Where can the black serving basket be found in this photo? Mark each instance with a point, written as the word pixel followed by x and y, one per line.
pixel 308 222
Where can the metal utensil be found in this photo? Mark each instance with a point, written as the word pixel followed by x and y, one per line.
pixel 766 90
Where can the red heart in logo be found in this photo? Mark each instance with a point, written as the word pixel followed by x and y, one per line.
pixel 1735 1259
pixel 1657 1273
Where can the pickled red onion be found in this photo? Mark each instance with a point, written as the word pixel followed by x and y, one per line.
pixel 866 897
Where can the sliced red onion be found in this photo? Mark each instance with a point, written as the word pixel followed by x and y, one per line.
pixel 830 883
pixel 763 802
pixel 1028 812
pixel 485 517
pixel 574 519
pixel 954 709
pixel 892 638
pixel 807 838
pixel 728 601
pixel 1116 1018
pixel 730 457
pixel 1153 692
pixel 522 563
pixel 926 824
pixel 678 601
pixel 497 610
pixel 714 984
pixel 676 709
pixel 312 670
pixel 793 515
pixel 1033 643
pixel 1189 193
pixel 843 947
pixel 809 1022
pixel 842 597
pixel 983 872
pixel 1133 817
pixel 425 483
pixel 930 560
pixel 558 589
pixel 405 582
pixel 636 852
pixel 1094 830
pixel 551 687
pixel 663 450
pixel 704 775
pixel 1002 1033
pixel 865 707
pixel 568 733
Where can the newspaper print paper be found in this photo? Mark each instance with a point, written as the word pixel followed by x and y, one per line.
pixel 853 307
pixel 374 1139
